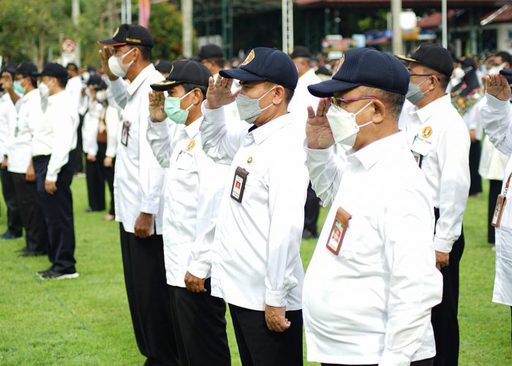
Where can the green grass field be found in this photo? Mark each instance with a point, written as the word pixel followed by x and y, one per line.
pixel 86 321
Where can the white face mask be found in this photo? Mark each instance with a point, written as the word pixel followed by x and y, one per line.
pixel 249 108
pixel 43 90
pixel 344 126
pixel 495 70
pixel 115 64
pixel 101 95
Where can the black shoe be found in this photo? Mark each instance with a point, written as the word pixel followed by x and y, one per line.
pixel 306 234
pixel 44 271
pixel 32 253
pixel 54 275
pixel 9 235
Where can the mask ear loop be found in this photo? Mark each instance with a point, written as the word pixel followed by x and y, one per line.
pixel 362 109
pixel 190 106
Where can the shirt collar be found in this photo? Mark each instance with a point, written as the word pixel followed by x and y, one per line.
pixel 143 75
pixel 261 133
pixel 426 112
pixel 193 129
pixel 369 155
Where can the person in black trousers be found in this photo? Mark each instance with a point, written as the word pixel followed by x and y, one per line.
pixel 14 223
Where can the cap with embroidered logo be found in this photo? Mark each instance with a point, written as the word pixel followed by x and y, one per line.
pixel 130 34
pixel 184 72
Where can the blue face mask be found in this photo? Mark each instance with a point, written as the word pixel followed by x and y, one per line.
pixel 172 108
pixel 249 108
pixel 18 88
pixel 414 95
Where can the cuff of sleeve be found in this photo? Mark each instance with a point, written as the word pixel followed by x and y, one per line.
pixel 149 206
pixel 443 245
pixel 160 127
pixel 211 112
pixel 495 103
pixel 318 155
pixel 111 153
pixel 51 177
pixel 117 84
pixel 393 359
pixel 199 269
pixel 275 298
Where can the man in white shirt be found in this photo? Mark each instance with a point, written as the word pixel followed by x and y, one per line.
pixel 138 190
pixel 76 90
pixel 193 190
pixel 19 163
pixel 51 146
pixel 302 98
pixel 256 264
pixel 372 281
pixel 497 121
pixel 440 143
pixel 7 120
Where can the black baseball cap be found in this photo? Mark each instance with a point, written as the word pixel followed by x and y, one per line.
pixel 265 64
pixel 131 34
pixel 54 70
pixel 10 68
pixel 300 51
pixel 163 65
pixel 26 68
pixel 184 72
pixel 432 56
pixel 210 51
pixel 365 67
pixel 97 82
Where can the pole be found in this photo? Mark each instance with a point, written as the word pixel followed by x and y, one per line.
pixel 75 14
pixel 186 12
pixel 396 9
pixel 444 27
pixel 128 11
pixel 287 24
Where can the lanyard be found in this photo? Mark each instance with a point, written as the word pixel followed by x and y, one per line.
pixel 507 184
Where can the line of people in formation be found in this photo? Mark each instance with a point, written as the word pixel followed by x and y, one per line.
pixel 213 169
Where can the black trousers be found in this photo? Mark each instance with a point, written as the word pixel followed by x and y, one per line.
pixel 58 215
pixel 199 322
pixel 311 211
pixel 428 362
pixel 95 184
pixel 474 162
pixel 77 154
pixel 494 191
pixel 107 174
pixel 14 224
pixel 148 298
pixel 444 315
pixel 258 346
pixel 29 203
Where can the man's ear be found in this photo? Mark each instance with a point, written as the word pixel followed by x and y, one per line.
pixel 379 113
pixel 197 96
pixel 279 94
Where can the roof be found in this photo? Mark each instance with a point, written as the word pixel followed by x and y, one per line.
pixel 503 14
pixel 405 3
pixel 434 20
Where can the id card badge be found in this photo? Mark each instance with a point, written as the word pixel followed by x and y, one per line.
pixel 237 191
pixel 420 148
pixel 125 133
pixel 498 210
pixel 338 230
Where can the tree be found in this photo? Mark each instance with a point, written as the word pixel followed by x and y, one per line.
pixel 165 25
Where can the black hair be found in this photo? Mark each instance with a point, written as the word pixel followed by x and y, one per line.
pixel 62 81
pixel 72 66
pixel 393 101
pixel 220 62
pixel 288 95
pixel 145 52
pixel 188 87
pixel 33 79
pixel 505 56
pixel 443 81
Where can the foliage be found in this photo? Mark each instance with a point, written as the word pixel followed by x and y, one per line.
pixel 375 21
pixel 165 25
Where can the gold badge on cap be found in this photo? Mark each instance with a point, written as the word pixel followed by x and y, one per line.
pixel 427 131
pixel 191 145
pixel 249 58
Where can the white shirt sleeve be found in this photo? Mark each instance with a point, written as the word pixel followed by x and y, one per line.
pixel 496 116
pixel 160 139
pixel 220 141
pixel 415 284
pixel 113 122
pixel 288 182
pixel 63 125
pixel 118 90
pixel 453 155
pixel 90 128
pixel 325 170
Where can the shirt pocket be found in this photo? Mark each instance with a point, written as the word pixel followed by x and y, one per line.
pixel 185 161
pixel 363 242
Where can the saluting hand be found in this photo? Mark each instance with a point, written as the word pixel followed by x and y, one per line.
pixel 276 319
pixel 143 225
pixel 498 87
pixel 156 106
pixel 318 131
pixel 105 54
pixel 193 283
pixel 219 93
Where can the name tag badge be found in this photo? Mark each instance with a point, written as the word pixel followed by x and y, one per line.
pixel 338 230
pixel 498 210
pixel 125 133
pixel 418 157
pixel 237 191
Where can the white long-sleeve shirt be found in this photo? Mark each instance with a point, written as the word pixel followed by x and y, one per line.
pixel 193 189
pixel 371 303
pixel 30 119
pixel 7 121
pixel 139 179
pixel 57 134
pixel 74 88
pixel 302 98
pixel 440 141
pixel 255 258
pixel 113 124
pixel 90 127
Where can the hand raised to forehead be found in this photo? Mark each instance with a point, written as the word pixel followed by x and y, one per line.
pixel 156 106
pixel 318 131
pixel 219 92
pixel 498 87
pixel 105 54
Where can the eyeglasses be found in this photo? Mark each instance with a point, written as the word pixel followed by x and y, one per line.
pixel 338 102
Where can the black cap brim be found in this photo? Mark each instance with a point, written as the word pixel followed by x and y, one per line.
pixel 111 43
pixel 241 75
pixel 164 85
pixel 328 88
